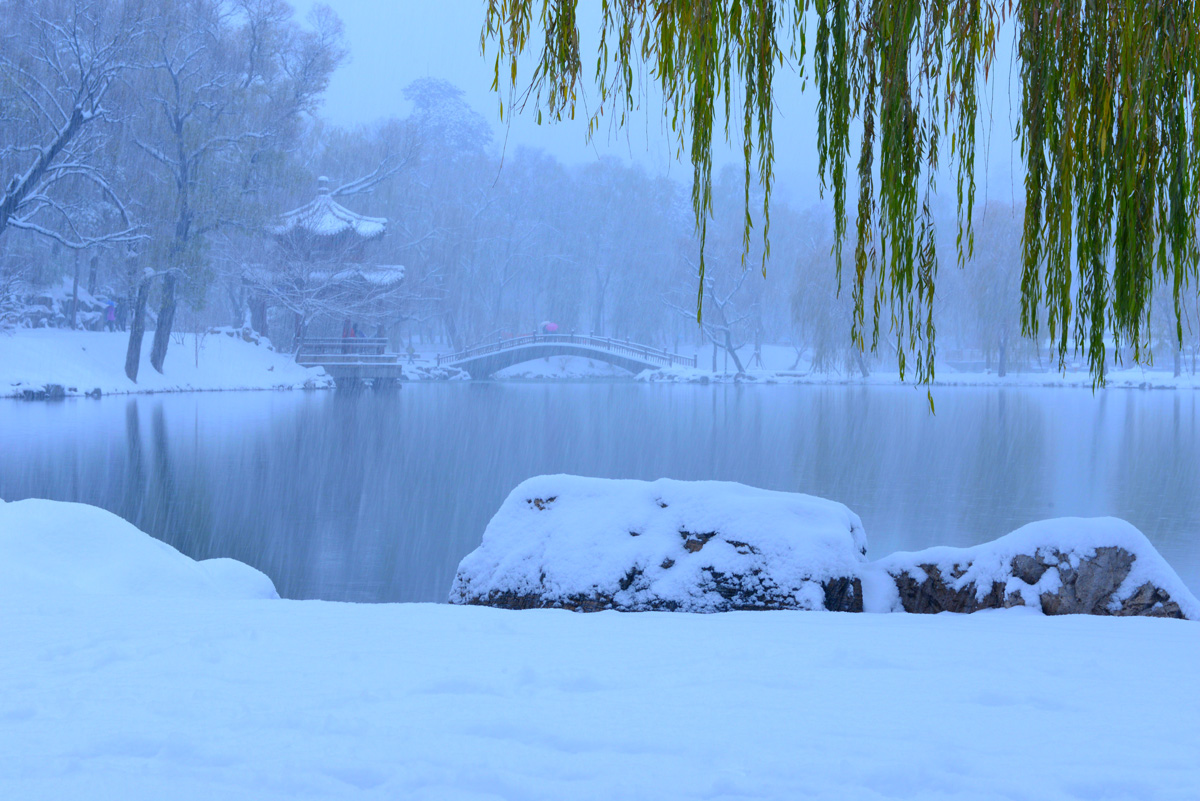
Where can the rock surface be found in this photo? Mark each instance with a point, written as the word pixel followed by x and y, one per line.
pixel 593 544
pixel 1097 566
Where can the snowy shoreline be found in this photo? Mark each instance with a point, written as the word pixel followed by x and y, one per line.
pixel 1122 379
pixel 130 670
pixel 80 362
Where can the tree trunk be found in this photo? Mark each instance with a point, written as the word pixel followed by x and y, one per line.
pixel 451 331
pixel 300 333
pixel 1178 362
pixel 137 329
pixel 731 351
pixel 258 315
pixel 75 296
pixel 93 265
pixel 799 355
pixel 862 363
pixel 598 310
pixel 1002 362
pixel 166 319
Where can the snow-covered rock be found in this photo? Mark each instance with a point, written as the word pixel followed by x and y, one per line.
pixel 1094 566
pixel 429 372
pixel 50 548
pixel 244 333
pixel 589 544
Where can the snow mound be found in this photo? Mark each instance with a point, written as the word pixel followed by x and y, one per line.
pixel 1102 566
pixel 703 546
pixel 426 372
pixel 55 548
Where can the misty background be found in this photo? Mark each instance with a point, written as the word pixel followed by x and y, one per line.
pixel 220 117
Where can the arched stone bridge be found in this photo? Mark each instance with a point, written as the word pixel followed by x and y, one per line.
pixel 481 361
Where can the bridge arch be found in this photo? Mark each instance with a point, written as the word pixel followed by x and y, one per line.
pixel 484 360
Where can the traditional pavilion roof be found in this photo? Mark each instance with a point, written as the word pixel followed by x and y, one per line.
pixel 382 275
pixel 324 217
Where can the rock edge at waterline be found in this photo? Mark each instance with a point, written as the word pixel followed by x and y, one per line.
pixel 589 544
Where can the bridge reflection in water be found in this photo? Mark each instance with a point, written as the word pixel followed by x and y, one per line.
pixel 483 360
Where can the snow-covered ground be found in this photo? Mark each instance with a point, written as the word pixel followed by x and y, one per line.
pixel 1131 378
pixel 86 360
pixel 777 368
pixel 115 688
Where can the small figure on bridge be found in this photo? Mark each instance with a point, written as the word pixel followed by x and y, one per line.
pixel 548 328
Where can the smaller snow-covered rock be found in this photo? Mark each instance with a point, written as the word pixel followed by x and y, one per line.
pixel 244 333
pixel 1091 566
pixel 589 544
pixel 56 548
pixel 426 372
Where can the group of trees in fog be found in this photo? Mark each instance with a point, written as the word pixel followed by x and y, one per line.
pixel 139 133
pixel 147 149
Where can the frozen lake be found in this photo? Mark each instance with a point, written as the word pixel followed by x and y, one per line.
pixel 376 498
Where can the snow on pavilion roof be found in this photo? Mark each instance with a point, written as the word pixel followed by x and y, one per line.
pixel 382 275
pixel 325 217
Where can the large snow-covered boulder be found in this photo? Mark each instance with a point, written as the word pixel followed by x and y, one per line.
pixel 55 548
pixel 589 544
pixel 1091 566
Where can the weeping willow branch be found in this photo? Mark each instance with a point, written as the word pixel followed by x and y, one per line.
pixel 1109 130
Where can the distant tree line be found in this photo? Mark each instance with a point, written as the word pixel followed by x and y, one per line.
pixel 146 148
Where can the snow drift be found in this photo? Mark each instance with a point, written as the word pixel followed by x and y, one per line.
pixel 704 546
pixel 50 548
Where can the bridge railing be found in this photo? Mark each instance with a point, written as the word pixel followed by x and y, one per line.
pixel 344 350
pixel 623 348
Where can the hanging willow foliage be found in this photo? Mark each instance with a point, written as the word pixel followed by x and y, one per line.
pixel 1109 129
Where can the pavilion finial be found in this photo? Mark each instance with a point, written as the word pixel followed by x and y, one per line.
pixel 323 185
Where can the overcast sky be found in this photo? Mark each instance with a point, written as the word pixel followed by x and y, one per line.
pixel 393 42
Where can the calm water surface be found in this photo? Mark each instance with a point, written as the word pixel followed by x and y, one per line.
pixel 377 498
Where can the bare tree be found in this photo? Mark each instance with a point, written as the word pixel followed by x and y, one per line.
pixel 13 287
pixel 227 85
pixel 58 62
pixel 728 321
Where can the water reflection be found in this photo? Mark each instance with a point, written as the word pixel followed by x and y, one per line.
pixel 377 498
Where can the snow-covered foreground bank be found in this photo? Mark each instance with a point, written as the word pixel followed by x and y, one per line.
pixel 87 360
pixel 115 688
pixel 124 699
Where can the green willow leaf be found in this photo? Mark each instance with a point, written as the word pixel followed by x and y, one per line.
pixel 1109 129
